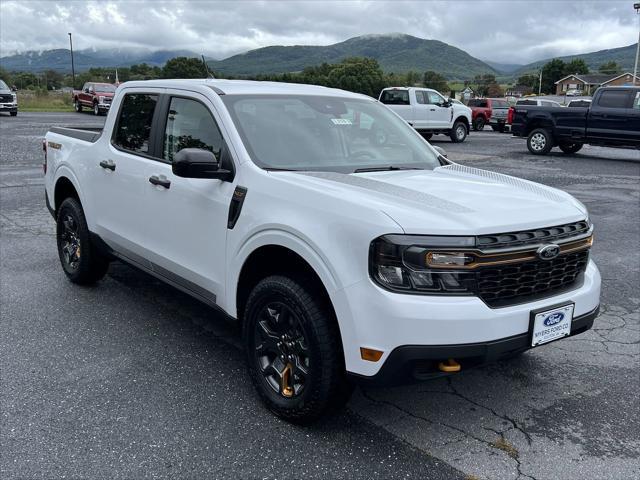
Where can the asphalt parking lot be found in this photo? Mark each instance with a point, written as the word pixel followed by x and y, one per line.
pixel 132 379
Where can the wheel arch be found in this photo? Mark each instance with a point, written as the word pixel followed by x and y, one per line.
pixel 463 119
pixel 64 188
pixel 536 123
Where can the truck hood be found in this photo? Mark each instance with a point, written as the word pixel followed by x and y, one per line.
pixel 453 200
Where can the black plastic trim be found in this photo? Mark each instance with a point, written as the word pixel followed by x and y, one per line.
pixel 49 207
pixel 401 364
pixel 86 134
pixel 235 207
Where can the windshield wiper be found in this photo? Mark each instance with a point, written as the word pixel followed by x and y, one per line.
pixel 278 169
pixel 386 168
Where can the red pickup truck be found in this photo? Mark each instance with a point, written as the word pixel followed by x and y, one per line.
pixel 492 111
pixel 96 96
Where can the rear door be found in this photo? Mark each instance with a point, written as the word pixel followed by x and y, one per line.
pixel 440 117
pixel 118 179
pixel 186 219
pixel 608 118
pixel 421 110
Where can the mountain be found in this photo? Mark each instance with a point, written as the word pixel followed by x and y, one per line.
pixel 504 68
pixel 60 59
pixel 395 53
pixel 623 56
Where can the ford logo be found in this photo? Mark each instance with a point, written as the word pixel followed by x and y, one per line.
pixel 553 319
pixel 548 252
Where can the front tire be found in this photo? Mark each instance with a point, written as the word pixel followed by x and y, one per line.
pixel 77 106
pixel 96 109
pixel 80 260
pixel 294 350
pixel 13 114
pixel 458 132
pixel 539 141
pixel 570 148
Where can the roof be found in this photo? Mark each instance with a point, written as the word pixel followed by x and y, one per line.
pixel 622 75
pixel 246 87
pixel 590 78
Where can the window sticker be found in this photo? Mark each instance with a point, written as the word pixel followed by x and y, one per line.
pixel 341 121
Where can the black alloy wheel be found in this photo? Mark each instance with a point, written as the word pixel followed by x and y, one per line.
pixel 71 246
pixel 281 350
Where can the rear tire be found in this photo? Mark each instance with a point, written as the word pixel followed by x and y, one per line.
pixel 570 148
pixel 478 124
pixel 293 349
pixel 539 141
pixel 81 261
pixel 458 132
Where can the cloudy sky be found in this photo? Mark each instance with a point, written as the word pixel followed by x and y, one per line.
pixel 506 31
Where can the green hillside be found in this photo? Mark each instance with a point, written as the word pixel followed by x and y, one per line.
pixel 394 52
pixel 623 56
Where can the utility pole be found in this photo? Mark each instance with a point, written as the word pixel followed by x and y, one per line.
pixel 73 69
pixel 635 68
pixel 540 83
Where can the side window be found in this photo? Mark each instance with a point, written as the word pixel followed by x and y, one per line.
pixel 636 102
pixel 134 125
pixel 420 97
pixel 395 97
pixel 190 125
pixel 435 98
pixel 614 99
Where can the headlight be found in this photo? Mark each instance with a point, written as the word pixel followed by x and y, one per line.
pixel 14 98
pixel 101 99
pixel 420 264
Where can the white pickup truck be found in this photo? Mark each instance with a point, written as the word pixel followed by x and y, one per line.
pixel 429 112
pixel 346 245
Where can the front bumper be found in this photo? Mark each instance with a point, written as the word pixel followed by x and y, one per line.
pixel 412 363
pixel 8 107
pixel 104 106
pixel 371 317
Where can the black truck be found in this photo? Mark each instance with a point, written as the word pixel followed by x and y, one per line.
pixel 612 120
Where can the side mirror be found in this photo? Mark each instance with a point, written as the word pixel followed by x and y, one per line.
pixel 441 151
pixel 198 163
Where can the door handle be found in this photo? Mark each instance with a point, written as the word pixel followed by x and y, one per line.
pixel 160 180
pixel 108 164
pixel 432 109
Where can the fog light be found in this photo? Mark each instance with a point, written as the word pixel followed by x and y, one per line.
pixel 370 354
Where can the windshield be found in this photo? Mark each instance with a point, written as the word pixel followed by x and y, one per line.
pixel 326 134
pixel 105 88
pixel 3 86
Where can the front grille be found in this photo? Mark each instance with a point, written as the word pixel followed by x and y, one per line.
pixel 107 99
pixel 517 283
pixel 6 98
pixel 529 237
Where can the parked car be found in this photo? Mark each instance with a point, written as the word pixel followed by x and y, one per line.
pixel 96 96
pixel 573 92
pixel 348 248
pixel 612 120
pixel 582 102
pixel 537 102
pixel 8 99
pixel 428 112
pixel 492 111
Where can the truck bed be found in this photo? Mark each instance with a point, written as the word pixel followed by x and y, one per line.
pixel 87 134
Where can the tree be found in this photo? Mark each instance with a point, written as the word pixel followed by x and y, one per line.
pixel 552 72
pixel 358 74
pixel 529 80
pixel 482 82
pixel 494 90
pixel 575 66
pixel 610 68
pixel 52 80
pixel 412 78
pixel 436 81
pixel 184 67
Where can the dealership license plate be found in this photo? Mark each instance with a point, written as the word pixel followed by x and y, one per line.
pixel 552 324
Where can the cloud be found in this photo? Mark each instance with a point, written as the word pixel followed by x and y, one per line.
pixel 505 31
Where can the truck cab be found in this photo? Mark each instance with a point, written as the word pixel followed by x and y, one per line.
pixel 428 111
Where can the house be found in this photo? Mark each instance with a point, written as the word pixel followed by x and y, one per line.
pixel 589 82
pixel 518 91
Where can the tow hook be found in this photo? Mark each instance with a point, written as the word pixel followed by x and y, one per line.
pixel 449 366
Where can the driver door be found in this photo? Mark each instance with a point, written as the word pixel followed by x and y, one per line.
pixel 186 228
pixel 439 116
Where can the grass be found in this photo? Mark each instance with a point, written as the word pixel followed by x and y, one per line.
pixel 505 446
pixel 52 102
